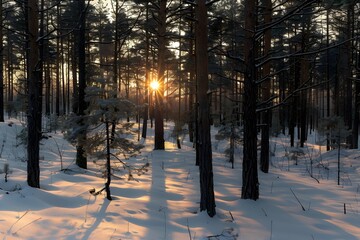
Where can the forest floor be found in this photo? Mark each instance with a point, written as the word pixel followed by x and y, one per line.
pixel 299 199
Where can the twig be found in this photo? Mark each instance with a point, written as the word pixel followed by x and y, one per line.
pixel 264 212
pixel 188 228
pixel 298 200
pixel 113 234
pixel 312 176
pixel 86 209
pixel 18 220
pixel 60 154
pixel 232 217
pixel 27 225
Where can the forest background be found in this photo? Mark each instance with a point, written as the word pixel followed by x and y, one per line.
pixel 254 68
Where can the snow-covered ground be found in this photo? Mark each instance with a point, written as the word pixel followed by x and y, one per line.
pixel 296 202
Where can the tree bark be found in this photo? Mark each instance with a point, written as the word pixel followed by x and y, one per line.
pixel 355 130
pixel 34 95
pixel 81 159
pixel 207 201
pixel 265 130
pixel 159 93
pixel 192 85
pixel 250 184
pixel 147 74
pixel 1 66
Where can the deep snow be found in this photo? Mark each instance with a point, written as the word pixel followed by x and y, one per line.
pixel 163 202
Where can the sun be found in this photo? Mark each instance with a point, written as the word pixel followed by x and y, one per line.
pixel 154 85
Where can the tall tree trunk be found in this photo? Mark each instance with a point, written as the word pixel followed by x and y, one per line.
pixel 349 88
pixel 10 78
pixel 57 74
pixel 265 130
pixel 81 159
pixel 1 66
pixel 74 64
pixel 328 73
pixel 159 94
pixel 207 201
pixel 34 95
pixel 192 84
pixel 355 129
pixel 250 182
pixel 116 61
pixel 348 73
pixel 303 102
pixel 147 74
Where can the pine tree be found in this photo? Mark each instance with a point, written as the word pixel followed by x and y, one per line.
pixel 250 184
pixel 34 95
pixel 207 201
pixel 103 110
pixel 81 159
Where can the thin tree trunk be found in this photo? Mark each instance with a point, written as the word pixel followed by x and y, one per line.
pixel 147 74
pixel 265 130
pixel 1 66
pixel 355 129
pixel 192 85
pixel 74 64
pixel 108 162
pixel 305 75
pixel 57 74
pixel 81 159
pixel 328 73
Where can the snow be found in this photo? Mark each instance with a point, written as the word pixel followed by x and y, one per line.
pixel 163 203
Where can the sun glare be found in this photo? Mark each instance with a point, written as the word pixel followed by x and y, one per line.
pixel 154 85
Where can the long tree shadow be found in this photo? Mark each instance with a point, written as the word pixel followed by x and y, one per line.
pixel 157 204
pixel 100 216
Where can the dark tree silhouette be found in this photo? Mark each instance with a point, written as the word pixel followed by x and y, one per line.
pixel 207 201
pixel 34 95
